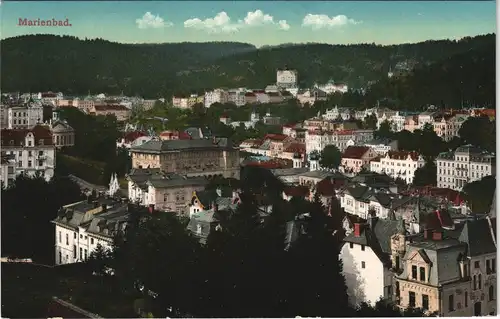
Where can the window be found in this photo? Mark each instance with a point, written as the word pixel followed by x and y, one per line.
pixel 67 239
pixel 491 293
pixel 92 241
pixel 411 296
pixel 81 253
pixel 466 296
pixel 363 247
pixel 30 163
pixel 74 251
pixel 413 272
pixel 40 163
pixel 74 235
pixel 425 302
pixel 479 281
pixel 60 237
pixel 488 267
pixel 474 282
pixel 363 265
pixel 476 264
pixel 422 274
pixel 351 245
pixel 198 229
pixel 451 303
pixel 60 257
pixel 85 254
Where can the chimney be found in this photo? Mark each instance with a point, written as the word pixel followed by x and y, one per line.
pixel 357 229
pixel 427 232
pixel 151 208
pixel 104 208
pixel 96 204
pixel 437 235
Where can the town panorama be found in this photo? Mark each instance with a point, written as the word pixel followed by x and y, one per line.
pixel 199 159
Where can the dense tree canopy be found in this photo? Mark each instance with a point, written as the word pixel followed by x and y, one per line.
pixel 330 157
pixel 28 206
pixel 479 194
pixel 479 131
pixel 426 175
pixel 160 70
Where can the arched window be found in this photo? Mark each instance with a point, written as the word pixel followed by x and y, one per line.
pixel 474 282
pixel 479 281
pixel 491 293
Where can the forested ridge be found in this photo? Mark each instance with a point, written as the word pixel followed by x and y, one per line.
pixel 68 64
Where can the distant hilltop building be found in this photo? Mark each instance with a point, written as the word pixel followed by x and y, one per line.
pixel 286 78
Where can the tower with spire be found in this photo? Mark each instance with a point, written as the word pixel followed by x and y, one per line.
pixel 114 186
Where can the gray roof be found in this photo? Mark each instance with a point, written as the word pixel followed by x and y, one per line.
pixel 157 146
pixel 477 234
pixel 320 174
pixel 377 234
pixel 289 171
pixel 61 126
pixel 110 217
pixel 144 177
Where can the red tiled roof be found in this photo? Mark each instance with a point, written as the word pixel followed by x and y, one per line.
pixel 259 91
pixel 488 112
pixel 275 137
pixel 355 152
pixel 132 136
pixel 345 132
pixel 16 137
pixel 184 136
pixel 299 191
pixel 296 148
pixel 438 219
pixel 402 155
pixel 224 116
pixel 49 94
pixel 249 94
pixel 268 165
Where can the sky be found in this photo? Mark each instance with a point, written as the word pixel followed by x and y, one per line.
pixel 256 22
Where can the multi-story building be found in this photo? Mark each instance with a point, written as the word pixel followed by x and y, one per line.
pixel 80 227
pixel 197 157
pixel 411 123
pixel 317 140
pixel 311 96
pixel 166 191
pixel 336 113
pixel 331 87
pixel 382 146
pixel 467 164
pixel 365 255
pixel 446 126
pixel 185 102
pixel 7 170
pixel 398 164
pixel 355 158
pixel 238 97
pixel 33 149
pixel 448 272
pixel 63 134
pixel 49 97
pixel 121 112
pixel 25 116
pixel 425 118
pixel 286 78
pixel 216 96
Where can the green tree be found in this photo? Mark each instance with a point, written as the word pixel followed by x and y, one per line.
pixel 426 175
pixel 370 122
pixel 479 194
pixel 384 131
pixel 330 157
pixel 480 132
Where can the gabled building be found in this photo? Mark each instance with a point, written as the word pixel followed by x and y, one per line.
pixel 448 272
pixel 355 158
pixel 366 260
pixel 398 164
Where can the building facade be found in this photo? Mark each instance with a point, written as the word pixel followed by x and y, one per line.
pixel 33 150
pixel 25 116
pixel 398 164
pixel 286 78
pixel 467 164
pixel 202 157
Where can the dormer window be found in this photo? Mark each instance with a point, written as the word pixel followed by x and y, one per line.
pixel 11 142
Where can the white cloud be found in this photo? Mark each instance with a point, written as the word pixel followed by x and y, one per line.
pixel 283 25
pixel 321 21
pixel 258 18
pixel 222 23
pixel 149 20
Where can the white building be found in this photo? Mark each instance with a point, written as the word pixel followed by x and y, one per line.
pixel 382 146
pixel 359 200
pixel 425 118
pixel 365 255
pixel 330 87
pixel 216 96
pixel 336 112
pixel 317 140
pixel 7 170
pixel 33 149
pixel 286 78
pixel 49 97
pixel 237 97
pixel 25 116
pixel 467 164
pixel 81 226
pixel 398 164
